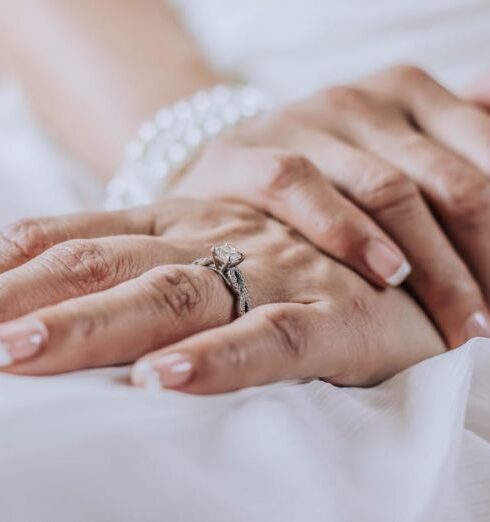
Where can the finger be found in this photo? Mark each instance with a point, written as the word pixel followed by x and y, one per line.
pixel 452 121
pixel 270 343
pixel 441 277
pixel 28 238
pixel 80 267
pixel 118 325
pixel 460 196
pixel 479 92
pixel 457 191
pixel 447 290
pixel 292 189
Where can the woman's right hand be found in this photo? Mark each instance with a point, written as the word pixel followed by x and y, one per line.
pixel 393 164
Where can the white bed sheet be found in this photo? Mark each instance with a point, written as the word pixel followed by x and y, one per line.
pixel 86 447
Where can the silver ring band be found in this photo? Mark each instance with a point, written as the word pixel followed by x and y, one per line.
pixel 224 260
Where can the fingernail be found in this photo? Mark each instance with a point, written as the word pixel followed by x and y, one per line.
pixel 167 371
pixel 20 340
pixel 391 266
pixel 478 325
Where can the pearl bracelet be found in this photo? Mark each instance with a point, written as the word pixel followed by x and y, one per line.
pixel 171 140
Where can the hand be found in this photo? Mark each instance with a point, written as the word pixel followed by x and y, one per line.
pixel 412 156
pixel 479 91
pixel 125 288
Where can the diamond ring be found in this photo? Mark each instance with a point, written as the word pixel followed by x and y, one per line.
pixel 224 260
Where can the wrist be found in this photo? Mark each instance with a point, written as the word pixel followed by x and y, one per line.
pixel 169 143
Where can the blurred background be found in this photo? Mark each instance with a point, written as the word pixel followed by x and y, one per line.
pixel 88 72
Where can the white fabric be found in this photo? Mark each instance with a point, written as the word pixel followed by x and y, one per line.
pixel 292 47
pixel 87 447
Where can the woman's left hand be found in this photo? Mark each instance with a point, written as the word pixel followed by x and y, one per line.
pixel 393 167
pixel 101 289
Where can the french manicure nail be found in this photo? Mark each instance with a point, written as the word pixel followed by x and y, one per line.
pixel 477 325
pixel 20 340
pixel 167 371
pixel 144 375
pixel 391 266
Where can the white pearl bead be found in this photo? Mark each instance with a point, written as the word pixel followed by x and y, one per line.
pixel 249 110
pixel 251 96
pixel 201 101
pixel 177 153
pixel 220 95
pixel 212 125
pixel 134 150
pixel 193 136
pixel 172 138
pixel 182 110
pixel 176 132
pixel 164 119
pixel 231 114
pixel 160 169
pixel 148 131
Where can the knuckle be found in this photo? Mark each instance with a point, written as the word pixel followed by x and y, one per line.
pixel 174 289
pixel 415 144
pixel 467 198
pixel 343 97
pixel 288 173
pixel 230 355
pixel 340 231
pixel 409 74
pixel 286 326
pixel 444 167
pixel 459 292
pixel 84 325
pixel 28 236
pixel 87 325
pixel 381 191
pixel 84 264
